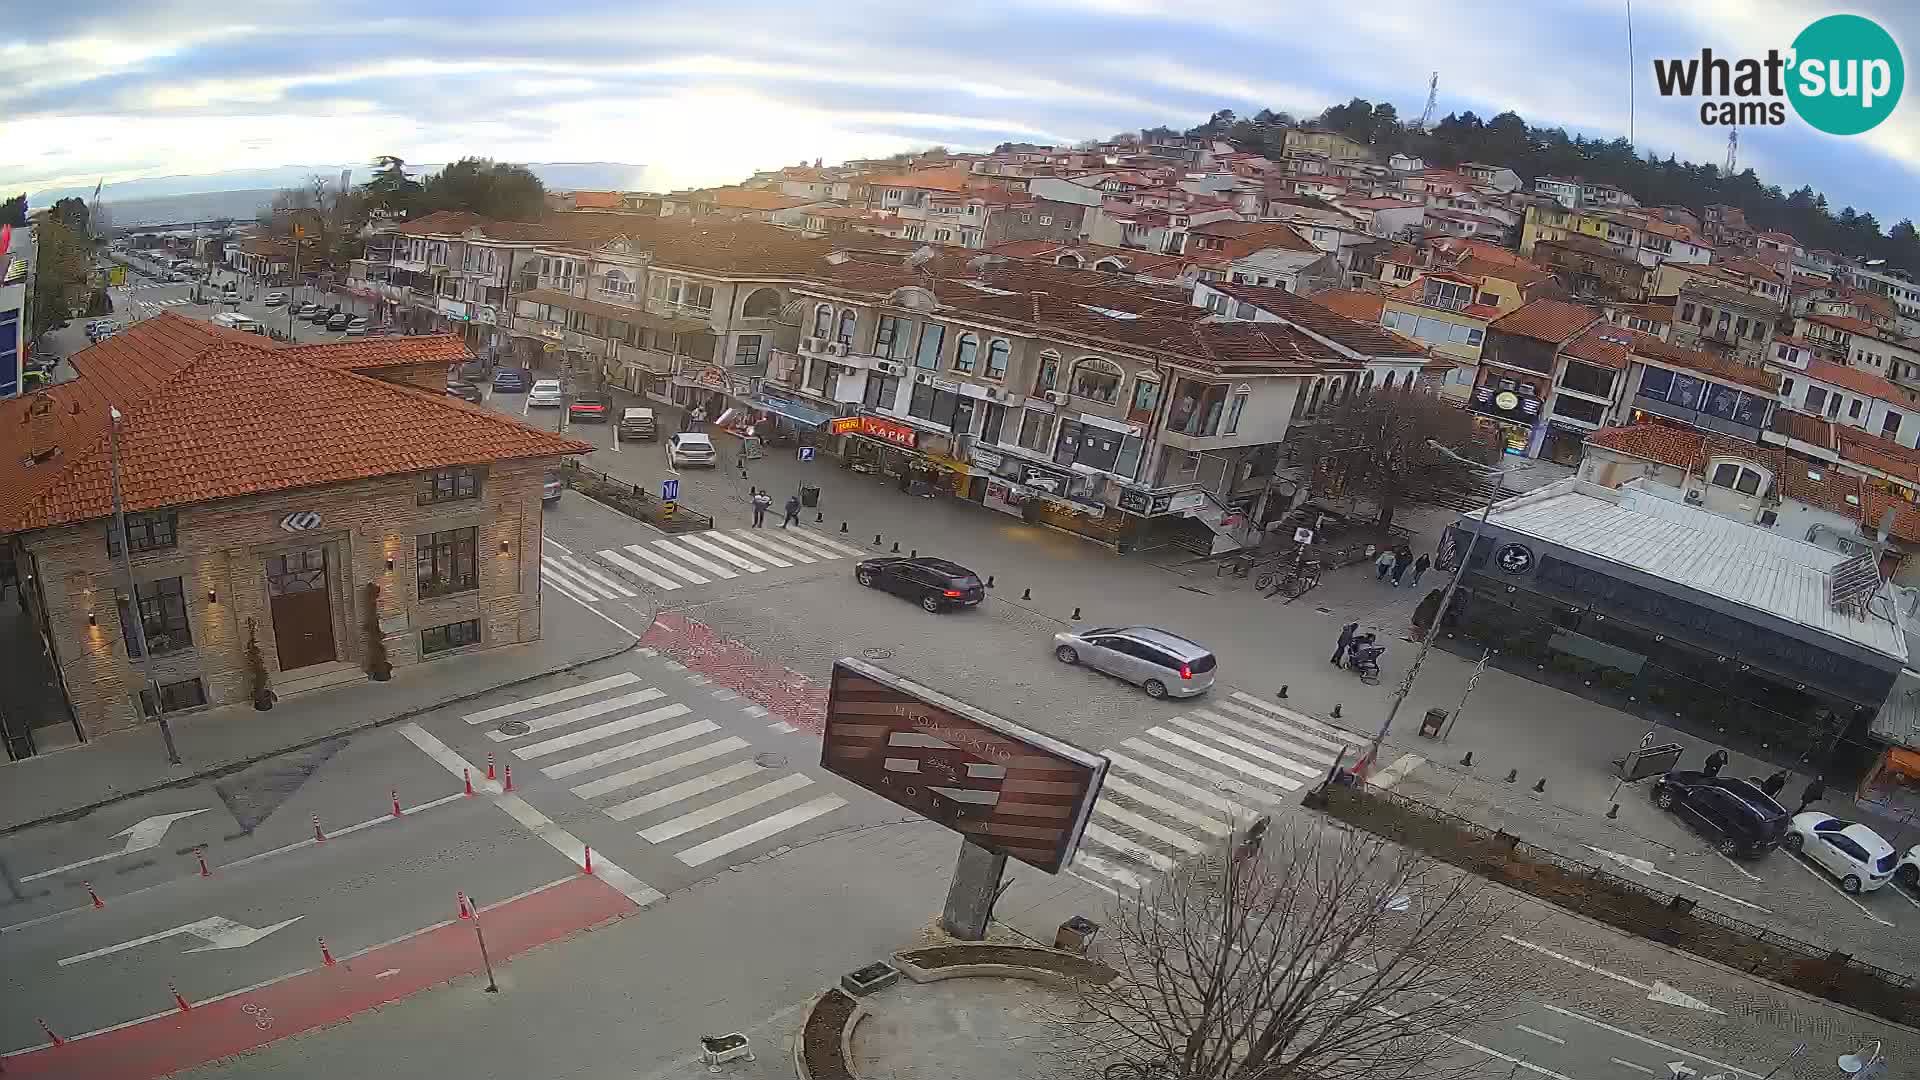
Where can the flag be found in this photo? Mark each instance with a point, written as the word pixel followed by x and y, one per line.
pixel 1447 551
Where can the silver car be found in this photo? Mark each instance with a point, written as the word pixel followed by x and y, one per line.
pixel 1162 664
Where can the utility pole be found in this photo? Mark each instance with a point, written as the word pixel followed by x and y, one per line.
pixel 293 287
pixel 133 615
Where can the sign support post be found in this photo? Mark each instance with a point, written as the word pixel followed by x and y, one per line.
pixel 976 885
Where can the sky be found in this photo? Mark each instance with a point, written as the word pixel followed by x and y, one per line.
pixel 706 93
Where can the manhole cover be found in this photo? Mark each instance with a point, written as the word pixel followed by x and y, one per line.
pixel 876 654
pixel 513 727
pixel 770 761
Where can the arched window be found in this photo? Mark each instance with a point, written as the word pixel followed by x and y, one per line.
pixel 822 321
pixel 1096 379
pixel 1068 260
pixel 847 320
pixel 1389 383
pixel 1146 395
pixel 1111 266
pixel 964 354
pixel 761 304
pixel 1367 383
pixel 616 284
pixel 997 359
pixel 1313 399
pixel 1048 375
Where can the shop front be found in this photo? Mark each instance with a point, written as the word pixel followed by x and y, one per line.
pixel 920 461
pixel 711 390
pixel 1508 408
pixel 1047 494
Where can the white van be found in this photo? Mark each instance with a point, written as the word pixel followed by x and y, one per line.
pixel 233 320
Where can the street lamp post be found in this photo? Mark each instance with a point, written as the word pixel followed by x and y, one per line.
pixel 133 615
pixel 1446 598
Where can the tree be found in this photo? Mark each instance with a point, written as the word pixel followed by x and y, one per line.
pixel 492 189
pixel 390 189
pixel 72 212
pixel 1373 445
pixel 1302 954
pixel 14 210
pixel 61 257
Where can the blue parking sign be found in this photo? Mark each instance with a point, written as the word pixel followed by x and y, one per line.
pixel 806 453
pixel 669 490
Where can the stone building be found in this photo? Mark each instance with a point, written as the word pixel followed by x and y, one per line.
pixel 274 496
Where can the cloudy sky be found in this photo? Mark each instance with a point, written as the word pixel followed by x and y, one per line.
pixel 704 93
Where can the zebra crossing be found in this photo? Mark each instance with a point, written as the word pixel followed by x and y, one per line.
pixel 689 559
pixel 1186 784
pixel 152 307
pixel 683 780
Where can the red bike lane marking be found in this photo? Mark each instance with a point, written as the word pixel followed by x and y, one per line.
pixel 325 995
pixel 781 691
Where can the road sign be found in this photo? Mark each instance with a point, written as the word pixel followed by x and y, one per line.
pixel 1303 536
pixel 217 931
pixel 806 453
pixel 1005 787
pixel 670 489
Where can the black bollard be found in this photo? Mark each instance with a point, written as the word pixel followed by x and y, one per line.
pixel 1467 762
pixel 1282 695
pixel 1336 710
pixel 1512 775
pixel 1541 785
pixel 818 517
pixel 914 554
pixel 989 581
pixel 1076 614
pixel 896 547
pixel 1613 812
pixel 876 539
pixel 843 527
pixel 1026 594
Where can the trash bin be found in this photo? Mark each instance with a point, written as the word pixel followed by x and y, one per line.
pixel 1431 723
pixel 1076 934
pixel 809 495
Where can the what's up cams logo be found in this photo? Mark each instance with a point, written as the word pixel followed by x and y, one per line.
pixel 1843 75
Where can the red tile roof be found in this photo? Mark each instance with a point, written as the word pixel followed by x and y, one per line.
pixel 1603 344
pixel 1353 303
pixel 1247 237
pixel 926 179
pixel 1842 322
pixel 214 415
pixel 368 353
pixel 1365 338
pixel 736 198
pixel 1864 383
pixel 597 200
pixel 1554 321
pixel 1679 447
pixel 1649 347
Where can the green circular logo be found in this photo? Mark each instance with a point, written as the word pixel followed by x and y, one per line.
pixel 1847 75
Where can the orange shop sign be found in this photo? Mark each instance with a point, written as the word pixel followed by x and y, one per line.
pixel 891 431
pixel 841 425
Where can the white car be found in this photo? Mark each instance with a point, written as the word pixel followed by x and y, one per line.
pixel 691 448
pixel 1855 854
pixel 545 392
pixel 1908 872
pixel 274 299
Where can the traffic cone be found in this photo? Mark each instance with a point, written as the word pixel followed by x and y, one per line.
pixel 318 836
pixel 466 913
pixel 467 776
pixel 490 765
pixel 204 872
pixel 396 802
pixel 509 785
pixel 57 1040
pixel 587 867
pixel 177 999
pixel 326 955
pixel 97 902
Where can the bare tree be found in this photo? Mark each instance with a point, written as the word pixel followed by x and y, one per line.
pixel 1322 956
pixel 1374 444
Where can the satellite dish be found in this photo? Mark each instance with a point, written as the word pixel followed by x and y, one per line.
pixel 921 256
pixel 1852 1063
pixel 1857 1064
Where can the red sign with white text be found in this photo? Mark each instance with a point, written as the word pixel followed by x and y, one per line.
pixel 889 431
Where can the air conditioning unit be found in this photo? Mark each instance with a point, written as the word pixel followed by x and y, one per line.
pixel 922 377
pixel 890 367
pixel 837 348
pixel 811 344
pixel 1058 397
pixel 1693 496
pixel 993 394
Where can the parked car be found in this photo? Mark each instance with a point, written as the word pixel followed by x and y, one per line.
pixel 1858 856
pixel 339 320
pixel 551 489
pixel 465 391
pixel 1161 663
pixel 357 325
pixel 546 392
pixel 691 448
pixel 510 380
pixel 1741 819
pixel 274 299
pixel 934 584
pixel 1908 872
pixel 305 310
pixel 321 315
pixel 588 409
pixel 636 423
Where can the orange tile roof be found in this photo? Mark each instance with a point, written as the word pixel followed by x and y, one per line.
pixel 1842 322
pixel 1864 383
pixel 1553 321
pixel 1679 447
pixel 736 198
pixel 367 353
pixel 1603 344
pixel 597 200
pixel 215 415
pixel 1649 347
pixel 1353 303
pixel 927 179
pixel 1366 338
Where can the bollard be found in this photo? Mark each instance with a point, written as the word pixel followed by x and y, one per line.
pixel 318 836
pixel 178 1001
pixel 466 775
pixel 818 517
pixel 1282 695
pixel 876 539
pixel 1076 614
pixel 1613 812
pixel 466 913
pixel 896 547
pixel 57 1040
pixel 204 872
pixel 989 581
pixel 509 786
pixel 587 867
pixel 97 902
pixel 1540 785
pixel 490 775
pixel 1336 710
pixel 1467 762
pixel 1512 775
pixel 396 802
pixel 326 955
pixel 843 526
pixel 914 554
pixel 1026 594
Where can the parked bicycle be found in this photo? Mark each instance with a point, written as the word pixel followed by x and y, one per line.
pixel 1295 580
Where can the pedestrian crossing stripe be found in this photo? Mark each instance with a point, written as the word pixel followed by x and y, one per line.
pixel 501 712
pixel 722 554
pixel 581 712
pixel 685 555
pixel 670 565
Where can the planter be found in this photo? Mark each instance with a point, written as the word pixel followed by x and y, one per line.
pixel 380 672
pixel 264 699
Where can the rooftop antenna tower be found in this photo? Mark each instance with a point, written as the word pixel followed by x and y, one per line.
pixel 1733 150
pixel 1433 97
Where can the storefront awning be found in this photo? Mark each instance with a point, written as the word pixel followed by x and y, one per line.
pixel 793 410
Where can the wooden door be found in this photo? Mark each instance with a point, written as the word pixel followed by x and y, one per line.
pixel 302 608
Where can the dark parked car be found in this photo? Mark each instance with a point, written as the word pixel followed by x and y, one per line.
pixel 587 408
pixel 1739 817
pixel 339 320
pixel 511 380
pixel 934 584
pixel 464 391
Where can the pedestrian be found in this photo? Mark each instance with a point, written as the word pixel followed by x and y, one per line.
pixel 1775 784
pixel 1340 646
pixel 792 512
pixel 1383 564
pixel 1815 791
pixel 1420 566
pixel 1401 560
pixel 1715 762
pixel 762 502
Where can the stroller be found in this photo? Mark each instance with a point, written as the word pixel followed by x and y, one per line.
pixel 1363 657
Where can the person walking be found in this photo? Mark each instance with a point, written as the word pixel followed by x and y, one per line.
pixel 792 512
pixel 1401 560
pixel 1420 566
pixel 1775 784
pixel 1715 762
pixel 1340 646
pixel 1815 791
pixel 762 502
pixel 1383 564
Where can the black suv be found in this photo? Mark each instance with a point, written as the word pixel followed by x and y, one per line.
pixel 1741 819
pixel 934 584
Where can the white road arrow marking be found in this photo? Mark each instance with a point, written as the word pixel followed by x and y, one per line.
pixel 1645 866
pixel 218 933
pixel 1656 990
pixel 141 835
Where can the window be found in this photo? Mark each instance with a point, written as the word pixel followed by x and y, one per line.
pixel 449 485
pixel 439 639
pixel 1448 294
pixel 1489 299
pixel 991 423
pixel 1587 379
pixel 1096 379
pixel 1726 474
pixel 882 390
pixel 617 285
pixel 964 352
pixel 445 562
pixel 1197 406
pixel 927 357
pixel 1146 395
pixel 1853 410
pixel 893 337
pixel 1591 412
pixel 817 375
pixel 1035 427
pixel 1046 219
pixel 1026 219
pixel 1235 405
pixel 942 234
pixel 163 618
pixel 174 696
pixel 746 351
pixel 1816 399
pixel 1890 424
pixel 699 297
pixel 1740 328
pixel 822 321
pixel 932 405
pixel 1686 313
pixel 154 530
pixel 1049 373
pixel 997 359
pixel 848 319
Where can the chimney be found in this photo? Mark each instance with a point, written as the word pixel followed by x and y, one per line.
pixel 42 429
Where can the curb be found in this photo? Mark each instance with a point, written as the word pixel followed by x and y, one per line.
pixel 235 766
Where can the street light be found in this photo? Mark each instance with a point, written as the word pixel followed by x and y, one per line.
pixel 1439 615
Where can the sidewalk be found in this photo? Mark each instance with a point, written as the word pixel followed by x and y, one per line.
pixel 70 781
